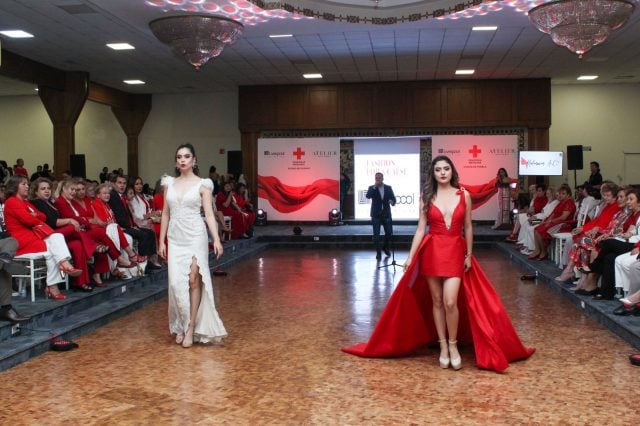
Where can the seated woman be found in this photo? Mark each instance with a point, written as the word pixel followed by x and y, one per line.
pixel 560 220
pixel 105 218
pixel 226 202
pixel 538 201
pixel 157 203
pixel 581 247
pixel 525 237
pixel 71 229
pixel 244 202
pixel 610 248
pixel 139 206
pixel 27 225
pixel 627 270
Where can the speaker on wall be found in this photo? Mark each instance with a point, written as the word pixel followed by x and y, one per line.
pixel 574 157
pixel 77 165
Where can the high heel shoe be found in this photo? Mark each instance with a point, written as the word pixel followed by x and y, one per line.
pixel 57 296
pixel 444 361
pixel 71 271
pixel 187 342
pixel 456 363
pixel 119 275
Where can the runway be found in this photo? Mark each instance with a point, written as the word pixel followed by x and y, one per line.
pixel 288 312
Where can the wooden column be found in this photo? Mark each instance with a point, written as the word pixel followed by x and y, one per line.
pixel 132 120
pixel 249 147
pixel 63 108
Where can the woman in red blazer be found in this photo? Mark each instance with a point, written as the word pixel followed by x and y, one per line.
pixel 27 225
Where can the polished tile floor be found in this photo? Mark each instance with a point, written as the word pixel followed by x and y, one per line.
pixel 288 313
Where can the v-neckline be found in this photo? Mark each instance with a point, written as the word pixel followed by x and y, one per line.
pixel 444 219
pixel 181 199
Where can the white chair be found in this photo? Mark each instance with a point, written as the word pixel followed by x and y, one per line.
pixel 37 266
pixel 558 244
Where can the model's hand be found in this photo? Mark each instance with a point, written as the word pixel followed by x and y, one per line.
pixel 467 263
pixel 217 248
pixel 162 250
pixel 406 264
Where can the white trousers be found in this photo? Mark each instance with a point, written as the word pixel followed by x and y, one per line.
pixel 57 251
pixel 627 268
pixel 112 233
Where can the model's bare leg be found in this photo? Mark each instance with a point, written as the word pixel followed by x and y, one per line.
pixel 195 293
pixel 451 288
pixel 435 288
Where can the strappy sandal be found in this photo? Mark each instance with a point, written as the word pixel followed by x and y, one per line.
pixel 119 275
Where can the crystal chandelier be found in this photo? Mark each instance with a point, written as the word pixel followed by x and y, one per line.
pixel 579 25
pixel 196 38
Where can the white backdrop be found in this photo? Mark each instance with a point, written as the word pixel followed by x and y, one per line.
pixel 299 178
pixel 477 159
pixel 398 159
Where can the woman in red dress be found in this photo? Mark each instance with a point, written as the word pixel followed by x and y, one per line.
pixel 105 218
pixel 227 203
pixel 560 220
pixel 27 225
pixel 444 290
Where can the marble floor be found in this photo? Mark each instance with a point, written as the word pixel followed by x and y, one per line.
pixel 288 312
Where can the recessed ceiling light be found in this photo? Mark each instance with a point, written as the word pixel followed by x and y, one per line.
pixel 465 72
pixel 16 34
pixel 280 35
pixel 487 28
pixel 120 46
pixel 587 77
pixel 133 81
pixel 312 75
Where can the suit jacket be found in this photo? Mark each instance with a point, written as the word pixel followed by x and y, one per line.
pixel 120 211
pixel 380 206
pixel 20 221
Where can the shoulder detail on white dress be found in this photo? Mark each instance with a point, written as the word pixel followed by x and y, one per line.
pixel 206 183
pixel 166 180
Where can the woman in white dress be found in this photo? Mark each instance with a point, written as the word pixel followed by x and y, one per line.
pixel 192 313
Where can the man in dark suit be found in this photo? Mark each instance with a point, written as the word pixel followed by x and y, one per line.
pixel 146 237
pixel 382 198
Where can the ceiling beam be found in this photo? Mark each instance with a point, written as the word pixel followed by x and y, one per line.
pixel 20 68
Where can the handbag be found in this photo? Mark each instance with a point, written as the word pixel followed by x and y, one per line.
pixel 42 231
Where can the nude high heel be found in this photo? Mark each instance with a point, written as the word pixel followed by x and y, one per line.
pixel 456 363
pixel 444 361
pixel 187 340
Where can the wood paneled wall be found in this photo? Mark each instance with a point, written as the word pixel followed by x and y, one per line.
pixel 446 104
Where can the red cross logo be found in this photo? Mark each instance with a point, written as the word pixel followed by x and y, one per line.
pixel 298 153
pixel 475 151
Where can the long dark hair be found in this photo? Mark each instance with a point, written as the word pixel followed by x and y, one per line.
pixel 431 188
pixel 499 180
pixel 193 152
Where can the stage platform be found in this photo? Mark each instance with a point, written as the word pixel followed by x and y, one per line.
pixel 83 313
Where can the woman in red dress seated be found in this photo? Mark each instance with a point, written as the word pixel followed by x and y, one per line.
pixel 443 294
pixel 584 236
pixel 227 203
pixel 105 218
pixel 40 195
pixel 27 225
pixel 560 220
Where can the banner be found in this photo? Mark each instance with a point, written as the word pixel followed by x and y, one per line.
pixel 398 159
pixel 298 178
pixel 477 159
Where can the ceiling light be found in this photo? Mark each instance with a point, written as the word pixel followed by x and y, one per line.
pixel 465 72
pixel 120 46
pixel 587 77
pixel 488 28
pixel 196 38
pixel 312 75
pixel 579 25
pixel 280 35
pixel 133 81
pixel 16 34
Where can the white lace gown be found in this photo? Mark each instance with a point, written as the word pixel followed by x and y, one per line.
pixel 187 237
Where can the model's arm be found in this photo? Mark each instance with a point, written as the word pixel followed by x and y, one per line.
pixel 164 224
pixel 468 231
pixel 417 238
pixel 210 220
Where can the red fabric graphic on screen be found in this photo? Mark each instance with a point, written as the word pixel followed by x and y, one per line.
pixel 287 199
pixel 480 194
